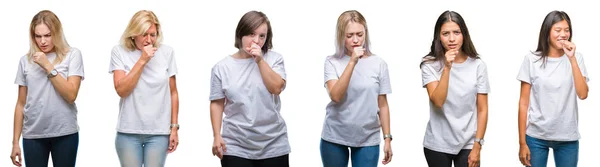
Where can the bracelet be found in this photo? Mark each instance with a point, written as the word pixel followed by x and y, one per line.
pixel 387 136
pixel 175 125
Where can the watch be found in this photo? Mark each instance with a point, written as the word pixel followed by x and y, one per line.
pixel 175 126
pixel 387 136
pixel 53 73
pixel 480 141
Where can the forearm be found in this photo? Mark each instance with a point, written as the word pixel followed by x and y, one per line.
pixel 338 90
pixel 18 124
pixel 581 86
pixel 126 84
pixel 482 118
pixel 174 108
pixel 384 118
pixel 271 79
pixel 439 94
pixel 522 124
pixel 216 116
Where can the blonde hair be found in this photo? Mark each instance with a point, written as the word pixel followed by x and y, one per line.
pixel 61 47
pixel 138 25
pixel 343 21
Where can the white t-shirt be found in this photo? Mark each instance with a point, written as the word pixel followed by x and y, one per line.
pixel 46 113
pixel 147 110
pixel 453 127
pixel 354 121
pixel 252 127
pixel 552 113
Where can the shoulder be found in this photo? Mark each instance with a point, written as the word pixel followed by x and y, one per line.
pixel 222 63
pixel 272 55
pixel 73 51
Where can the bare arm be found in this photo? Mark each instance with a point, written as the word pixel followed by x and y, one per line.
pixel 271 79
pixel 337 88
pixel 482 115
pixel 124 84
pixel 216 115
pixel 438 90
pixel 18 120
pixel 174 100
pixel 67 88
pixel 581 86
pixel 523 108
pixel 384 115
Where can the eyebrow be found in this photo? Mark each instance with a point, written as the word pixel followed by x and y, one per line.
pixel 43 34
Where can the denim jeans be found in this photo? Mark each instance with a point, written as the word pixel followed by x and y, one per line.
pixel 566 153
pixel 62 148
pixel 137 149
pixel 336 155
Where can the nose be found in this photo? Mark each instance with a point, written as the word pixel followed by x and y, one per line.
pixel 255 39
pixel 355 39
pixel 44 40
pixel 451 38
pixel 147 38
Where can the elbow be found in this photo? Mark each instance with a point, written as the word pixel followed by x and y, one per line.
pixel 335 99
pixel 275 91
pixel 582 96
pixel 437 103
pixel 71 99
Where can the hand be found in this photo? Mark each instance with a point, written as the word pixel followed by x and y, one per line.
pixel 357 54
pixel 256 52
pixel 387 151
pixel 450 55
pixel 568 47
pixel 474 157
pixel 41 59
pixel 218 147
pixel 16 153
pixel 148 53
pixel 525 155
pixel 173 140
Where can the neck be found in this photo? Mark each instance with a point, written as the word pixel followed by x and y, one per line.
pixel 553 52
pixel 242 54
pixel 461 57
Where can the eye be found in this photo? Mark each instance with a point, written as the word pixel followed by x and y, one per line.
pixel 457 32
pixel 446 33
pixel 37 36
pixel 360 34
pixel 349 36
pixel 47 35
pixel 262 36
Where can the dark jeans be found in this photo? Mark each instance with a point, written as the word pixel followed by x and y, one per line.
pixel 63 149
pixel 440 159
pixel 233 161
pixel 336 155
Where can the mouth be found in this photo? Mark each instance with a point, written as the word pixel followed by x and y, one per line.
pixel 354 46
pixel 452 46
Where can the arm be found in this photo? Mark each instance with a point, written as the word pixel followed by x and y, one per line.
pixel 174 101
pixel 384 115
pixel 124 84
pixel 581 86
pixel 337 88
pixel 18 119
pixel 482 117
pixel 67 88
pixel 271 79
pixel 216 116
pixel 438 90
pixel 523 108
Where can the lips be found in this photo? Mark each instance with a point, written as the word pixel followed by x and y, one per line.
pixel 452 46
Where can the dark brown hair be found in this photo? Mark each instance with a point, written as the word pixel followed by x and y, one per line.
pixel 250 22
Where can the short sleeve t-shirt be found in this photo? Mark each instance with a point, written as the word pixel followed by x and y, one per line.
pixel 253 127
pixel 354 121
pixel 552 113
pixel 46 113
pixel 453 127
pixel 147 110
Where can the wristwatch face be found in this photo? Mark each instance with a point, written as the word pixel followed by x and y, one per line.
pixel 54 72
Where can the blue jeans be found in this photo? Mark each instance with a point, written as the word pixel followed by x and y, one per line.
pixel 137 149
pixel 566 153
pixel 62 148
pixel 336 155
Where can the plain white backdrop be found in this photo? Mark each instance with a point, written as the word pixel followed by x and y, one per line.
pixel 202 33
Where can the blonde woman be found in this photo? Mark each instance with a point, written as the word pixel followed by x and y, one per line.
pixel 358 83
pixel 144 77
pixel 48 77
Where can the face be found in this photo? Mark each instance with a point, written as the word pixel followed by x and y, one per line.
pixel 148 38
pixel 451 36
pixel 43 38
pixel 560 32
pixel 259 37
pixel 355 36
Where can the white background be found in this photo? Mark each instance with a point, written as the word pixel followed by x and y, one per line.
pixel 202 33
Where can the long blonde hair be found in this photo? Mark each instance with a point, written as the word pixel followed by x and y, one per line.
pixel 343 21
pixel 138 25
pixel 61 47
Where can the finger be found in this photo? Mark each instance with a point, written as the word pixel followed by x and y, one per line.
pixel 528 158
pixel 214 150
pixel 220 155
pixel 223 147
pixel 175 146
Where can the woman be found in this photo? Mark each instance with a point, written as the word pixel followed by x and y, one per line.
pixel 357 82
pixel 49 77
pixel 552 78
pixel 144 77
pixel 246 87
pixel 457 84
